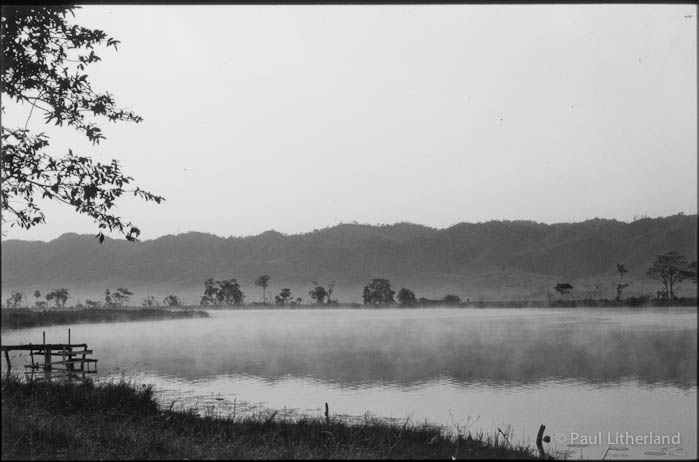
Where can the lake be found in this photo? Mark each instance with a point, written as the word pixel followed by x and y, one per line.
pixel 594 377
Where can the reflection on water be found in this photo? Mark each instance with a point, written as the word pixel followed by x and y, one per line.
pixel 575 370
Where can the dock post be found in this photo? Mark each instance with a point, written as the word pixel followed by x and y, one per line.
pixel 63 354
pixel 539 437
pixel 47 360
pixel 70 367
pixel 9 365
pixel 31 356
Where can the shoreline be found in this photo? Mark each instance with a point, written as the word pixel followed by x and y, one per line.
pixel 63 421
pixel 629 303
pixel 25 318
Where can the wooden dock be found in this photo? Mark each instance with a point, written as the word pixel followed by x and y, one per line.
pixel 71 359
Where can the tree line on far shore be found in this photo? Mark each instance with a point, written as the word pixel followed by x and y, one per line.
pixel 669 270
pixel 377 292
pixel 117 299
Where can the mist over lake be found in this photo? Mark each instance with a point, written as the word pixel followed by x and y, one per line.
pixel 574 370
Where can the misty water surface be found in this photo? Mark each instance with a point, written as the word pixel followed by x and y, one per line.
pixel 575 370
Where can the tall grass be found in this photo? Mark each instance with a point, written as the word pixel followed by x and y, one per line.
pixel 24 318
pixel 120 420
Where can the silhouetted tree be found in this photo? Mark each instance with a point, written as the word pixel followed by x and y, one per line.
pixel 92 303
pixel 406 297
pixel 691 272
pixel 451 299
pixel 172 300
pixel 621 285
pixel 60 297
pixel 318 293
pixel 210 293
pixel 328 291
pixel 14 300
pixel 44 59
pixel 378 292
pixel 229 292
pixel 263 281
pixel 670 269
pixel 366 295
pixel 37 295
pixel 148 301
pixel 63 295
pixel 563 288
pixel 121 296
pixel 283 297
pixel 108 301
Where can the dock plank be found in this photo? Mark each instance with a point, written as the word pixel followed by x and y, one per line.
pixel 71 353
pixel 41 346
pixel 74 361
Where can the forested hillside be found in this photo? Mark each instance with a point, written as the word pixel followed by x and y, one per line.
pixel 494 260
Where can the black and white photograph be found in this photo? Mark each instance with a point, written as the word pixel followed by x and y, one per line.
pixel 349 231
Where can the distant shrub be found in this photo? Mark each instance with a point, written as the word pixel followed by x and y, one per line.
pixel 172 300
pixel 638 301
pixel 451 299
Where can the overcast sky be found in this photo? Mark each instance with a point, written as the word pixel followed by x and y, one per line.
pixel 300 117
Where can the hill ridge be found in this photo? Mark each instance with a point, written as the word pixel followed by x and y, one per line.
pixel 490 260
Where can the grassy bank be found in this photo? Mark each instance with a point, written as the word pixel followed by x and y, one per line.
pixel 123 421
pixel 25 318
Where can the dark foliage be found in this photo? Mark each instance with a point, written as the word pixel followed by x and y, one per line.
pixel 670 269
pixel 227 293
pixel 263 281
pixel 451 299
pixel 172 300
pixel 283 297
pixel 43 65
pixel 563 288
pixel 318 293
pixel 406 297
pixel 378 292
